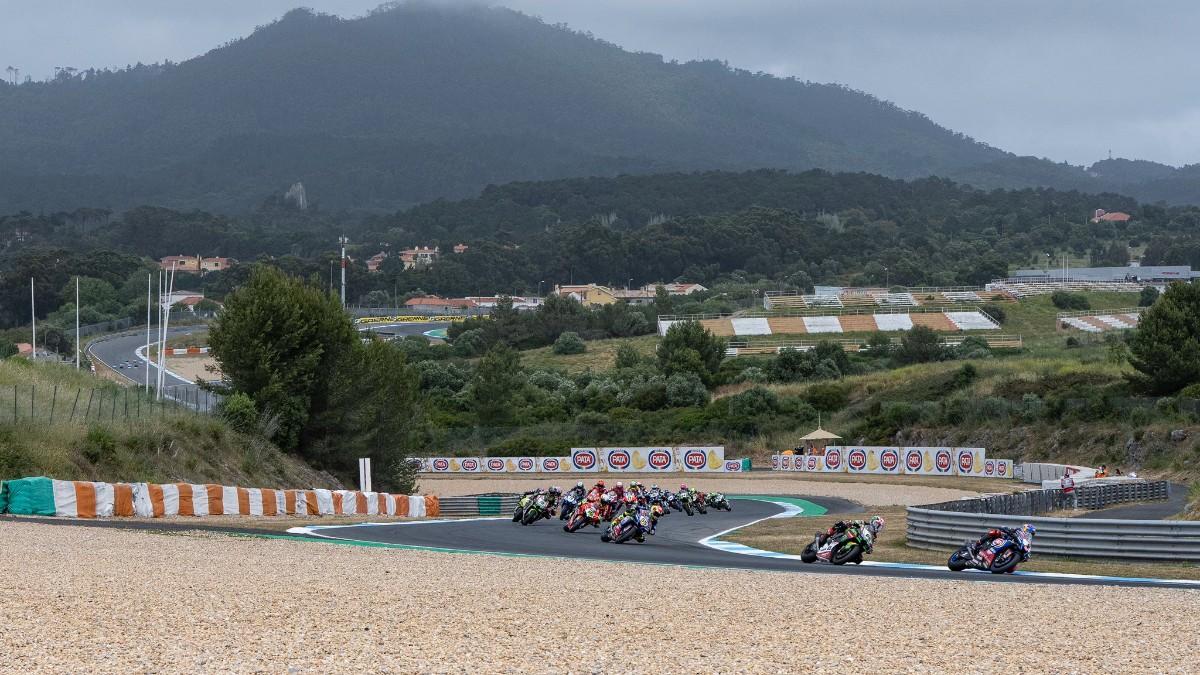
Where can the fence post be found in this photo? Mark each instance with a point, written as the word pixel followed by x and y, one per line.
pixel 75 404
pixel 32 392
pixel 87 411
pixel 126 404
pixel 113 412
pixel 53 403
pixel 14 404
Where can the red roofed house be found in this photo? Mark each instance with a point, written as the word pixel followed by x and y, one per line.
pixel 1102 216
pixel 460 248
pixel 419 256
pixel 181 263
pixel 375 261
pixel 676 289
pixel 432 303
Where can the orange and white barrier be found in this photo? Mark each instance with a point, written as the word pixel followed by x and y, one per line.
pixel 86 499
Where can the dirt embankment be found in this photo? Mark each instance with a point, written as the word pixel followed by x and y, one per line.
pixel 98 600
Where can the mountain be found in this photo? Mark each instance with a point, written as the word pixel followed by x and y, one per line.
pixel 418 101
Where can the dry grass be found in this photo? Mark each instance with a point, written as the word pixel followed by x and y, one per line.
pixel 791 535
pixel 600 355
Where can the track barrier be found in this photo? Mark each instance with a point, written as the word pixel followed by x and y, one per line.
pixel 85 499
pixel 897 461
pixel 684 458
pixel 949 524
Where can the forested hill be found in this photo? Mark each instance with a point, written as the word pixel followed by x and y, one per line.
pixel 416 101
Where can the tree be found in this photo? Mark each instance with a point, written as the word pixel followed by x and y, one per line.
pixel 569 343
pixel 497 379
pixel 1068 300
pixel 920 345
pixel 627 357
pixel 279 341
pixel 689 348
pixel 1147 297
pixel 1165 346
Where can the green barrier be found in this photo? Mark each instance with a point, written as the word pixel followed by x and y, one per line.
pixel 30 496
pixel 3 497
pixel 488 506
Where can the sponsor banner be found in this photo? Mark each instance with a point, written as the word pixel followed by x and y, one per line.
pixel 834 460
pixel 616 459
pixel 799 463
pixel 495 465
pixel 786 462
pixel 776 462
pixel 439 464
pixel 693 458
pixel 929 461
pixel 872 459
pixel 663 459
pixel 733 466
pixel 469 464
pixel 584 459
pixel 969 461
pixel 525 464
pixel 812 463
pixel 553 464
pixel 1004 468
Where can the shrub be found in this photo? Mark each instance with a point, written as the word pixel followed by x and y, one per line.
pixel 400 477
pixel 964 376
pixel 239 412
pixel 753 374
pixel 685 390
pixel 1067 300
pixel 921 345
pixel 470 343
pixel 569 343
pixel 753 402
pixel 628 357
pixel 827 397
pixel 1147 297
pixel 99 445
pixel 996 312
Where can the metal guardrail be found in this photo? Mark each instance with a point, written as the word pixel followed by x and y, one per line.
pixel 949 524
pixel 494 504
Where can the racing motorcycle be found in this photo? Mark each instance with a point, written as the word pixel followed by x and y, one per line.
pixel 1000 556
pixel 570 502
pixel 685 502
pixel 537 509
pixel 718 501
pixel 627 526
pixel 840 548
pixel 522 504
pixel 587 513
pixel 701 503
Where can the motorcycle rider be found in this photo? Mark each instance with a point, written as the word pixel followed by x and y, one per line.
pixel 553 496
pixel 631 507
pixel 597 491
pixel 875 524
pixel 1000 532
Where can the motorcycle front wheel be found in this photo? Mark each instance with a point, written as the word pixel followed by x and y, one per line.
pixel 957 562
pixel 1004 562
pixel 687 508
pixel 529 517
pixel 846 553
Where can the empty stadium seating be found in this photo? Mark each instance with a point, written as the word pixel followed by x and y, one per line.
pixel 750 326
pixel 896 300
pixel 1098 323
pixel 888 322
pixel 971 321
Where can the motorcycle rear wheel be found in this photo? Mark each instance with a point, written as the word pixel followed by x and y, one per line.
pixel 809 554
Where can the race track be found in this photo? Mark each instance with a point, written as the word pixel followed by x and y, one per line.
pixel 678 542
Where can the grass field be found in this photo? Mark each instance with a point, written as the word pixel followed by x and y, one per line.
pixel 91 436
pixel 600 354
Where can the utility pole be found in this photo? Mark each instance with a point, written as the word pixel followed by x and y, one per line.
pixel 32 321
pixel 148 301
pixel 343 241
pixel 77 352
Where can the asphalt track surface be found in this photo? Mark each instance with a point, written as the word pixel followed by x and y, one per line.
pixel 676 543
pixel 115 350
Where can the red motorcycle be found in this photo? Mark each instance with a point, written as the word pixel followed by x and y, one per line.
pixel 587 513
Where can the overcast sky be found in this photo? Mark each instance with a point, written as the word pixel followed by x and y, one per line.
pixel 1064 79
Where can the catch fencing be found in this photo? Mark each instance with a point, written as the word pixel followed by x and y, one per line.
pixel 125 405
pixel 950 524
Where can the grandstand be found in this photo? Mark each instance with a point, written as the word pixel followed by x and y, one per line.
pixel 808 322
pixel 774 345
pixel 1023 288
pixel 838 298
pixel 1094 321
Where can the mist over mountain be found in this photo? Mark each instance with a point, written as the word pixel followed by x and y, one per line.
pixel 416 102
